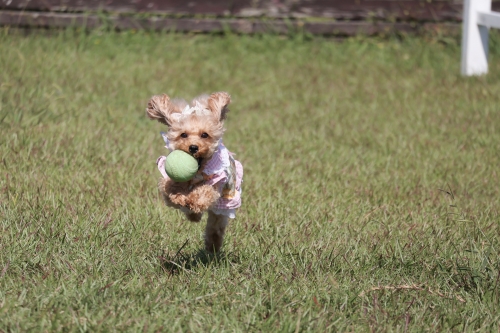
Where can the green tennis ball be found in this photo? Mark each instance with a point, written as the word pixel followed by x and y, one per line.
pixel 180 166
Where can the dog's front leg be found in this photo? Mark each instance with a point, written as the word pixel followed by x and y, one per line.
pixel 214 232
pixel 174 194
pixel 201 198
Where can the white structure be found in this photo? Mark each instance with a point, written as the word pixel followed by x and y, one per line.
pixel 477 20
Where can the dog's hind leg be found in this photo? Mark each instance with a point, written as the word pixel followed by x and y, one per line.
pixel 214 232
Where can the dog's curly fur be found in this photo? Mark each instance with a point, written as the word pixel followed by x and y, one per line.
pixel 203 132
pixel 197 199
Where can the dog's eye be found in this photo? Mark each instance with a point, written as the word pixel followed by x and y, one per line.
pixel 204 135
pixel 184 135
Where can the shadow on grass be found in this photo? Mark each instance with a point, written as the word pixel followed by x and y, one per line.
pixel 187 262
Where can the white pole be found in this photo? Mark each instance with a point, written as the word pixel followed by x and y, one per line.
pixel 474 38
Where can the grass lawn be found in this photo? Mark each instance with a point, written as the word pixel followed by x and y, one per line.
pixel 371 188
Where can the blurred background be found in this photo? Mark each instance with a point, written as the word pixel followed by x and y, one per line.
pixel 337 17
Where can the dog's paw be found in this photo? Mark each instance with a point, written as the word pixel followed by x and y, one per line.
pixel 174 195
pixel 178 199
pixel 201 198
pixel 197 199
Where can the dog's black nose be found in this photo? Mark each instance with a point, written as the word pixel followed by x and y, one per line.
pixel 193 149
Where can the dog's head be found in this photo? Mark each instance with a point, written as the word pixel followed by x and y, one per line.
pixel 195 128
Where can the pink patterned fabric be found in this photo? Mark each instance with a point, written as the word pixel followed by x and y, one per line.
pixel 226 174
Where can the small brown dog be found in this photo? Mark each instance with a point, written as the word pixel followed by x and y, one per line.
pixel 197 129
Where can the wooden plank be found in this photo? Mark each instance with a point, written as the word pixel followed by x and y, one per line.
pixel 477 20
pixel 68 5
pixel 406 10
pixel 121 22
pixel 474 39
pixel 489 19
pixel 47 20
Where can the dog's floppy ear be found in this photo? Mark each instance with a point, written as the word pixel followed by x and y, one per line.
pixel 217 103
pixel 160 108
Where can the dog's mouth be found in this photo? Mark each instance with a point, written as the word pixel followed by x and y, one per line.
pixel 198 158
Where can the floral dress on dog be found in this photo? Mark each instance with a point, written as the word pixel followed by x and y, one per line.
pixel 223 172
